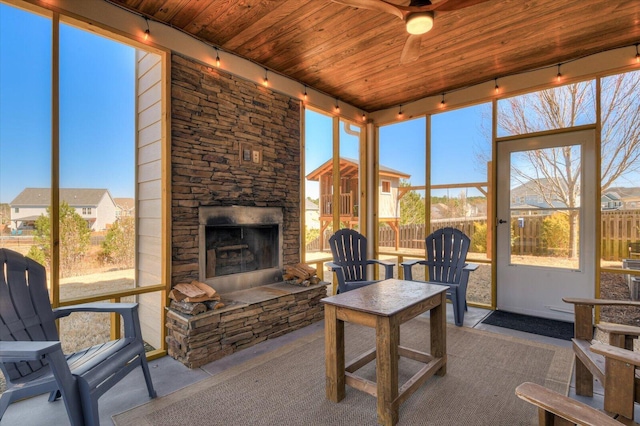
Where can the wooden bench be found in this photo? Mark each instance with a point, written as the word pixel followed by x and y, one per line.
pixel 613 364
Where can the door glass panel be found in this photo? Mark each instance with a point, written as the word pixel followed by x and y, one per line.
pixel 544 202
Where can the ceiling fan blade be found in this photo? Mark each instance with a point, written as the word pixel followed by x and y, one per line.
pixel 379 5
pixel 411 50
pixel 451 5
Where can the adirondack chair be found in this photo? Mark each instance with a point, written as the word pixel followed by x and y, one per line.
pixel 349 249
pixel 31 357
pixel 615 365
pixel 446 265
pixel 558 409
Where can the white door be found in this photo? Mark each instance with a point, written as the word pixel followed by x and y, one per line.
pixel 546 222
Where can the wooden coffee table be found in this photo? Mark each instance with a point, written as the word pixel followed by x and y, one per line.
pixel 384 306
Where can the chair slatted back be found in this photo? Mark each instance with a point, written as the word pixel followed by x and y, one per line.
pixel 349 249
pixel 446 255
pixel 25 310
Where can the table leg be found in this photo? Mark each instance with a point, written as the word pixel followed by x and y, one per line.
pixel 387 340
pixel 334 354
pixel 438 322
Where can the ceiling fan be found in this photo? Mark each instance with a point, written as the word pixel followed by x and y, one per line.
pixel 417 14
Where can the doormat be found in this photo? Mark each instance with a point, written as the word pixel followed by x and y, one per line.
pixel 541 326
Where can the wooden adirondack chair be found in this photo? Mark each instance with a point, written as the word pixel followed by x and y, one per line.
pixel 446 265
pixel 30 354
pixel 349 249
pixel 615 365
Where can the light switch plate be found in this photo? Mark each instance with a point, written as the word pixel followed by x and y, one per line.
pixel 256 156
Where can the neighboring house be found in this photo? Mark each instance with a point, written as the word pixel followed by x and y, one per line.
pixel 125 207
pixel 311 215
pixel 621 198
pixel 96 206
pixel 388 196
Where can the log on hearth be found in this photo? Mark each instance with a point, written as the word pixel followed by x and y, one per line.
pixel 188 307
pixel 301 274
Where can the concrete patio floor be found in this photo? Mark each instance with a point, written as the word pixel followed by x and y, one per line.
pixel 169 376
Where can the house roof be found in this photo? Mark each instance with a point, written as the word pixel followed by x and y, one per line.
pixel 310 205
pixel 353 54
pixel 41 197
pixel 350 165
pixel 125 203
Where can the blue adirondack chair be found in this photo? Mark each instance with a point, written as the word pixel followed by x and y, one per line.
pixel 349 249
pixel 446 265
pixel 31 357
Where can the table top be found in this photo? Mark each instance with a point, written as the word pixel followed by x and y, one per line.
pixel 387 297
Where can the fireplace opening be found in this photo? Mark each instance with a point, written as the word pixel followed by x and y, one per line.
pixel 240 247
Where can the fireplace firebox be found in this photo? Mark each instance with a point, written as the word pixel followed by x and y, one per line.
pixel 240 247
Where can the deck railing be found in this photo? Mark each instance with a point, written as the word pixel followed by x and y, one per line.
pixel 346 205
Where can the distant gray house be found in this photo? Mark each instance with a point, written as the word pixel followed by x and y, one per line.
pixel 621 198
pixel 96 206
pixel 125 207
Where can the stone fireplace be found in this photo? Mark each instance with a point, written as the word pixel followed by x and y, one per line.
pixel 240 247
pixel 242 210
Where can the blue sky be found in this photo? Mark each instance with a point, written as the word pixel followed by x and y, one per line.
pixel 457 139
pixel 97 86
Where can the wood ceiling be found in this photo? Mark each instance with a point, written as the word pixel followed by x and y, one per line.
pixel 354 54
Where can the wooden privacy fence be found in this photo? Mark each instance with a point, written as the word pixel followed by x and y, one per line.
pixel 619 229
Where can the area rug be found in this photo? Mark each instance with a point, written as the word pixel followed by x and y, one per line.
pixel 528 324
pixel 287 386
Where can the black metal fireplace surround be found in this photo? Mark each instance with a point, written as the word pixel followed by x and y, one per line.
pixel 240 247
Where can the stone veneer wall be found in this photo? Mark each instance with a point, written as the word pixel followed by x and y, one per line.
pixel 196 340
pixel 213 114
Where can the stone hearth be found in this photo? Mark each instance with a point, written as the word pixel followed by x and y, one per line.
pixel 249 317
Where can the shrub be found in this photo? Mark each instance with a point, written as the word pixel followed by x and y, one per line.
pixel 479 237
pixel 555 234
pixel 118 246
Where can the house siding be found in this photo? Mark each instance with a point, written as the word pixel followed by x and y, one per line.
pixel 149 192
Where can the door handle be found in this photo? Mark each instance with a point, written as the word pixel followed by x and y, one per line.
pixel 502 221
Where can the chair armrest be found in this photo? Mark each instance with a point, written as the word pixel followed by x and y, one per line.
pixel 342 286
pixel 381 262
pixel 471 267
pixel 413 262
pixel 388 267
pixel 408 264
pixel 601 302
pixel 563 406
pixel 128 311
pixel 616 353
pixel 19 351
pixel 119 308
pixel 627 330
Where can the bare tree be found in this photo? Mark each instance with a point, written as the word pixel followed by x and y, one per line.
pixel 555 173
